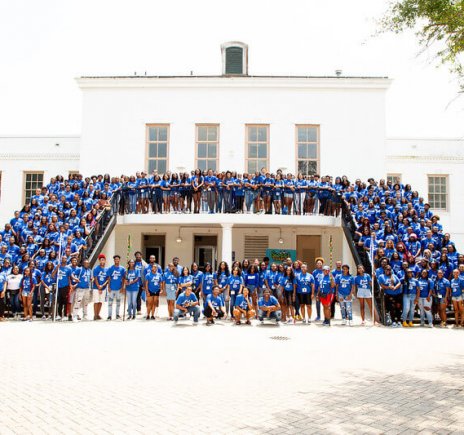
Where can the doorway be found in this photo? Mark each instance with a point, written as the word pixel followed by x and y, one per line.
pixel 155 245
pixel 205 251
pixel 308 248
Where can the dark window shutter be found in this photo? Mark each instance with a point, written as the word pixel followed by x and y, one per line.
pixel 234 60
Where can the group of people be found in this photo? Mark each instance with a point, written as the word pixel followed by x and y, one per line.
pixel 393 223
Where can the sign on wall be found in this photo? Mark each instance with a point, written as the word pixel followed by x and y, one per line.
pixel 279 255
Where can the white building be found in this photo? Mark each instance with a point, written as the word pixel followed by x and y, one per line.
pixel 239 122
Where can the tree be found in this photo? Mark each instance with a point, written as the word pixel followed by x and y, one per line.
pixel 439 25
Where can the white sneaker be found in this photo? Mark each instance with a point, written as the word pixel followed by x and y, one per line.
pixel 430 325
pixel 363 323
pixel 350 323
pixel 289 321
pixel 262 322
pixel 75 320
pixel 394 325
pixel 344 322
pixel 58 318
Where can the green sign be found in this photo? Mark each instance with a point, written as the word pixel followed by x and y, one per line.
pixel 279 255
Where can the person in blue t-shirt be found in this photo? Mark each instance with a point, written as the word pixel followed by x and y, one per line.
pixel 26 291
pixel 207 282
pixel 410 297
pixel 305 286
pixel 187 303
pixel 171 279
pixel 391 286
pixel 269 307
pixel 325 288
pixel 234 287
pixel 243 307
pixel 81 289
pixel 64 284
pixel 363 282
pixel 115 279
pixel 344 294
pixel 425 297
pixel 457 287
pixel 442 293
pixel 154 280
pixel 214 306
pixel 100 279
pixel 132 280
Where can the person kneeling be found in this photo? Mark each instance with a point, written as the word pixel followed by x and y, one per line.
pixel 269 307
pixel 214 306
pixel 187 303
pixel 244 307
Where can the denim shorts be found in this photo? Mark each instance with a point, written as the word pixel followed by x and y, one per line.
pixel 171 290
pixel 364 293
pixel 457 298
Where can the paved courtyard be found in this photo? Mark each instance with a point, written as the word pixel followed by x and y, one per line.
pixel 154 377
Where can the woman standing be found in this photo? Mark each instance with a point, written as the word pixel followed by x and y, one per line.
pixel 197 185
pixel 457 287
pixel 344 294
pixel 153 287
pixel 425 297
pixel 363 287
pixel 26 290
pixel 442 293
pixel 171 279
pixel 132 280
pixel 234 288
pixel 47 288
pixel 391 286
pixel 197 276
pixel 411 292
pixel 165 187
pixel 12 289
pixel 287 286
pixel 207 282
pixel 277 193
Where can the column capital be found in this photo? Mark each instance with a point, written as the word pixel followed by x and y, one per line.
pixel 227 225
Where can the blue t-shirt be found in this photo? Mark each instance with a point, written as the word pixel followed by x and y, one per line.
pixel 425 285
pixel 269 303
pixel 207 284
pixel 133 275
pixel 27 283
pixel 64 274
pixel 100 274
pixel 441 286
pixel 286 283
pixel 185 301
pixel 221 278
pixel 85 277
pixel 170 278
pixel 304 283
pixel 457 286
pixel 242 303
pixel 216 301
pixel 154 281
pixel 363 282
pixel 411 287
pixel 391 280
pixel 324 286
pixel 344 284
pixel 116 275
pixel 234 283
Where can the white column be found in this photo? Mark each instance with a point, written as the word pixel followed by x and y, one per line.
pixel 226 244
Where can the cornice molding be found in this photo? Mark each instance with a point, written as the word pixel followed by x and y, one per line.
pixel 32 156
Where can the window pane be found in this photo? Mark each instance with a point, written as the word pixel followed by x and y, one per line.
pixel 161 166
pixel 162 149
pixel 312 151
pixel 212 164
pixel 252 150
pixel 312 134
pixel 212 150
pixel 202 133
pixel 151 166
pixel 202 150
pixel 302 134
pixel 212 134
pixel 152 133
pixel 163 133
pixel 262 134
pixel 262 164
pixel 202 164
pixel 302 151
pixel 252 134
pixel 262 150
pixel 153 150
pixel 252 166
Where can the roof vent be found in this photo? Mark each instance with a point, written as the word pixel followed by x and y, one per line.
pixel 234 58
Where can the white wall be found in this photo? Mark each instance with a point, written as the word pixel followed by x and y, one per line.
pixel 416 158
pixel 351 113
pixel 37 154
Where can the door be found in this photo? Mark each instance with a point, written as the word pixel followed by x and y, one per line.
pixel 205 254
pixel 308 248
pixel 157 251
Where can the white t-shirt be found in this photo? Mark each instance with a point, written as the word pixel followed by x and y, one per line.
pixel 14 281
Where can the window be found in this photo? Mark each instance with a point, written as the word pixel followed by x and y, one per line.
pixel 32 181
pixel 394 178
pixel 0 186
pixel 234 60
pixel 207 147
pixel 307 149
pixel 157 147
pixel 438 192
pixel 257 147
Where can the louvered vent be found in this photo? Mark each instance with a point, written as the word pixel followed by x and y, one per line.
pixel 255 247
pixel 234 60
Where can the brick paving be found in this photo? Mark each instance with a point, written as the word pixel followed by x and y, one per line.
pixel 154 377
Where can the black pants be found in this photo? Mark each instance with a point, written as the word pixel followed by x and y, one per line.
pixel 62 300
pixel 2 306
pixel 209 312
pixel 157 201
pixel 139 299
pixel 393 305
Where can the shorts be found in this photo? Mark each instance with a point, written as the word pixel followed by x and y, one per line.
pixel 364 293
pixel 304 298
pixel 278 292
pixel 153 293
pixel 327 299
pixel 171 290
pixel 166 194
pixel 457 298
pixel 289 298
pixel 144 195
pixel 440 301
pixel 266 193
pixel 97 297
pixel 288 195
pixel 276 196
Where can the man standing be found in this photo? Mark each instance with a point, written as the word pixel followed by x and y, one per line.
pixel 100 278
pixel 81 277
pixel 115 280
pixel 187 302
pixel 64 284
pixel 269 307
pixel 140 266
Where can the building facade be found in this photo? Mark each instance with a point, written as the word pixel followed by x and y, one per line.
pixel 328 125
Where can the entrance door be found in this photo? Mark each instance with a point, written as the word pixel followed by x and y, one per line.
pixel 205 254
pixel 157 251
pixel 308 248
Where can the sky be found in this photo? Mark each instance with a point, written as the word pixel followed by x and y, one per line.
pixel 46 44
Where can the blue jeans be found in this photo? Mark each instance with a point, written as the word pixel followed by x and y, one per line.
pixel 423 304
pixel 131 303
pixel 14 301
pixel 249 199
pixel 193 311
pixel 132 203
pixel 277 315
pixel 219 199
pixel 408 307
pixel 346 307
pixel 112 295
